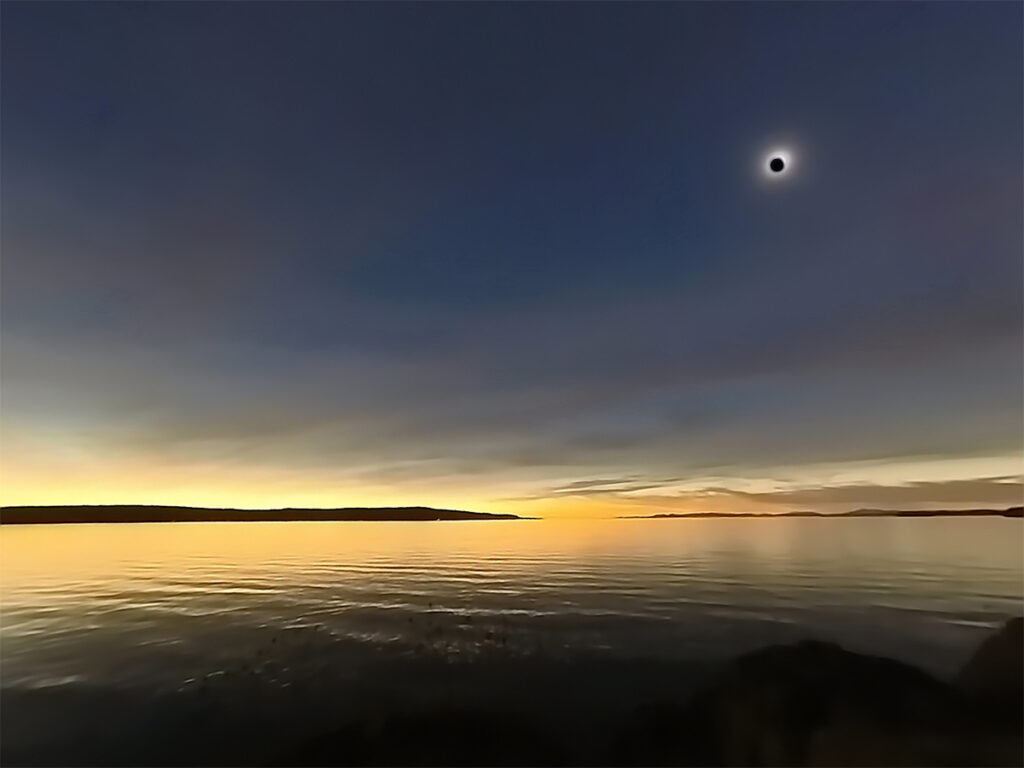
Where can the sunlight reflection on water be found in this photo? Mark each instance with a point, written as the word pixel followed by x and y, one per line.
pixel 159 604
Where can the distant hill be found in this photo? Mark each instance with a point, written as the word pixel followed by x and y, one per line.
pixel 131 513
pixel 1008 512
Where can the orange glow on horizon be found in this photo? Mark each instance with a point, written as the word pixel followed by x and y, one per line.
pixel 34 473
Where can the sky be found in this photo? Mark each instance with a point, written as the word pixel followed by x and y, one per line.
pixel 512 257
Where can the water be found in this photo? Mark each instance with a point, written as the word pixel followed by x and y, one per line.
pixel 147 623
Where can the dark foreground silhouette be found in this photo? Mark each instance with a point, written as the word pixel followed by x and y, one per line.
pixel 131 513
pixel 808 704
pixel 804 704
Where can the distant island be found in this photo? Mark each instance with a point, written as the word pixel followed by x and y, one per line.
pixel 1008 512
pixel 132 513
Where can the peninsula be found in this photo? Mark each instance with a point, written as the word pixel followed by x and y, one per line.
pixel 131 513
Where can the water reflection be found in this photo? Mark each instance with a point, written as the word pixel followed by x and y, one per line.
pixel 162 604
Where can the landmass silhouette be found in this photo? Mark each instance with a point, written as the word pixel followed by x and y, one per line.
pixel 136 513
pixel 141 513
pixel 1008 512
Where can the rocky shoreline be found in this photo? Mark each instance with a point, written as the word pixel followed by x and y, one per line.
pixel 807 704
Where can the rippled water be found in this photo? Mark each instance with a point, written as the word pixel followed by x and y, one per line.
pixel 239 609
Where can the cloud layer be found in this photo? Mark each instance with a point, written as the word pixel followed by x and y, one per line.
pixel 368 255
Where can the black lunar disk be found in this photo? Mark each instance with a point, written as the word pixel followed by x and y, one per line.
pixel 777 164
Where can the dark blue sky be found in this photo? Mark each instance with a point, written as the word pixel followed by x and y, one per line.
pixel 466 253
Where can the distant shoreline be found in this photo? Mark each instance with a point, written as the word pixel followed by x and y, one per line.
pixel 1008 512
pixel 131 513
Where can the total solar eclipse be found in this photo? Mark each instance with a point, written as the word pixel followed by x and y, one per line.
pixel 777 164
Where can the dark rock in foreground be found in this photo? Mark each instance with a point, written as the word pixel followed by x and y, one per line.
pixel 808 704
pixel 817 704
pixel 796 705
pixel 993 678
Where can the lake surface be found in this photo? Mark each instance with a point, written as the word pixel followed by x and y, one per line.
pixel 104 621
